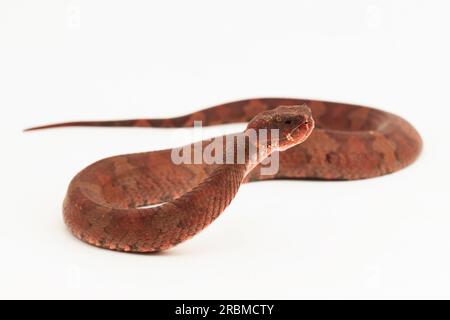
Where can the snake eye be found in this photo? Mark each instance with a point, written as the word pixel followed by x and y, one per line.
pixel 288 122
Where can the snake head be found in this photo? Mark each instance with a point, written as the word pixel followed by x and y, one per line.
pixel 294 124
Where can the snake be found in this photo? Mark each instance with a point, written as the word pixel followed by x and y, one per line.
pixel 145 203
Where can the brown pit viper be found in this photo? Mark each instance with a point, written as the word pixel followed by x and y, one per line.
pixel 144 202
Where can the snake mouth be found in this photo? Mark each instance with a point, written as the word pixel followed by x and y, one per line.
pixel 301 132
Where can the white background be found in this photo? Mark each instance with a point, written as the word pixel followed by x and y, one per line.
pixel 81 60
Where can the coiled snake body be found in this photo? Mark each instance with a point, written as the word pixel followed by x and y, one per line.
pixel 108 203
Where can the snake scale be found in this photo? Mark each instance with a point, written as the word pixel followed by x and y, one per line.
pixel 144 202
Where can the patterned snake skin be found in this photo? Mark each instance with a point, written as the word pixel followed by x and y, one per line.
pixel 109 204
